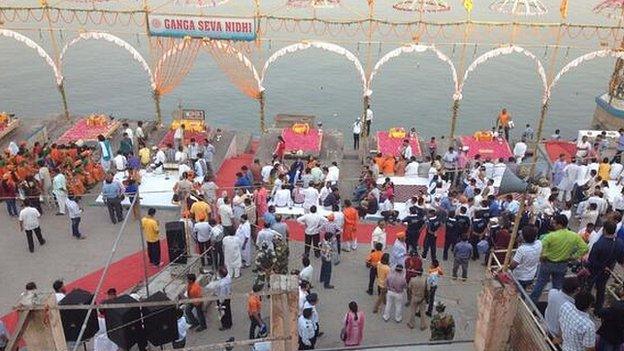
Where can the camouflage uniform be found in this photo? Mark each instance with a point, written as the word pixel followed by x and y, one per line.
pixel 281 256
pixel 265 260
pixel 442 327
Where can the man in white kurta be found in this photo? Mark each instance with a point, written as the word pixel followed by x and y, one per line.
pixel 232 254
pixel 243 233
pixel 570 174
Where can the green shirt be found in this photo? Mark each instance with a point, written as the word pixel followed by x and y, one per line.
pixel 563 245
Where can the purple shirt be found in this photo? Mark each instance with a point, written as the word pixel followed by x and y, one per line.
pixel 396 282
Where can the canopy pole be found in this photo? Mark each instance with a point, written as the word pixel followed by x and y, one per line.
pixel 156 96
pixel 261 101
pixel 57 56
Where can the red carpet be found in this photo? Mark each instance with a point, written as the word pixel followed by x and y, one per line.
pixel 487 149
pixel 390 146
pixel 309 142
pixel 554 148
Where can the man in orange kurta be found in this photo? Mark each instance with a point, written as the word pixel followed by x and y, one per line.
pixel 350 226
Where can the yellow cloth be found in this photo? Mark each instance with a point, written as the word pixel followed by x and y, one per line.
pixel 200 210
pixel 382 274
pixel 604 171
pixel 468 5
pixel 144 155
pixel 150 229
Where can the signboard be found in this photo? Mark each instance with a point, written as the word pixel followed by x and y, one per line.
pixel 194 114
pixel 202 27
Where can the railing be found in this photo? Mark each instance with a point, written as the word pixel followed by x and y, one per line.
pixel 530 331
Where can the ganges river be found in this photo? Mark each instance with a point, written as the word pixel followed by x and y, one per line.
pixel 412 90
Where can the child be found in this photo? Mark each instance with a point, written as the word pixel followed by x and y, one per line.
pixel 327 253
pixel 435 271
pixel 374 257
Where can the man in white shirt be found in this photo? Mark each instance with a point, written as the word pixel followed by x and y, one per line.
pixel 266 235
pixel 180 156
pixel 178 136
pixel 310 197
pixel 59 290
pixel 59 189
pixel 140 134
pixel 202 231
pixel 520 150
pixel 282 197
pixel 578 330
pixel 357 130
pixel 307 272
pixel 406 150
pixel 570 174
pixel 333 173
pixel 411 169
pixel 369 119
pixel 379 235
pixel 120 162
pixel 525 261
pixel 313 223
pixel 74 211
pixel 306 330
pixel 130 132
pixel 265 172
pixel 556 298
pixel 29 223
pixel 243 232
pixel 227 216
pixel 583 147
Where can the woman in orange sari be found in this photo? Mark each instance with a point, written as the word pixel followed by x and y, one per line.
pixel 350 226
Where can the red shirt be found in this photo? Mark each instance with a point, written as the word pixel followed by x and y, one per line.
pixel 412 264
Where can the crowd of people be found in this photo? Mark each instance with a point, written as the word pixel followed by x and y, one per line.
pixel 461 211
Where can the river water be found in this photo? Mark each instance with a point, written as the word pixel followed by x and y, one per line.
pixel 412 90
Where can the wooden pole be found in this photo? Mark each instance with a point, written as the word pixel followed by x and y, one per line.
pixel 57 56
pixel 454 120
pixel 41 329
pixel 525 197
pixel 261 101
pixel 156 96
pixel 462 63
pixel 284 310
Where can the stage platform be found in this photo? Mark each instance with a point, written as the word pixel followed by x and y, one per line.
pixel 156 190
pixel 391 146
pixel 81 131
pixel 331 148
pixel 495 149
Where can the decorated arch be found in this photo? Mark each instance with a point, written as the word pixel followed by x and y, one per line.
pixel 115 40
pixel 40 51
pixel 237 66
pixel 505 51
pixel 580 60
pixel 417 48
pixel 320 45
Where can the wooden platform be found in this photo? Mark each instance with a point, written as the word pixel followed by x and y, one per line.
pixel 10 127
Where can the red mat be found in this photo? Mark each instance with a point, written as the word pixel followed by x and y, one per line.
pixel 554 148
pixel 188 135
pixel 487 149
pixel 391 146
pixel 84 132
pixel 309 142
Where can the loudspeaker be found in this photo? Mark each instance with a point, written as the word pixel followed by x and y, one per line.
pixel 72 319
pixel 510 183
pixel 123 325
pixel 161 322
pixel 176 241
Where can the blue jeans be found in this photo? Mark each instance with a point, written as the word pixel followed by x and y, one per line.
pixel 548 270
pixel 11 207
pixel 75 223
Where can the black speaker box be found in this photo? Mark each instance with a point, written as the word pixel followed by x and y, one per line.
pixel 176 241
pixel 161 322
pixel 72 319
pixel 123 325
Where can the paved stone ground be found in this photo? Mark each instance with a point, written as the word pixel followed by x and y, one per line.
pixel 70 259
